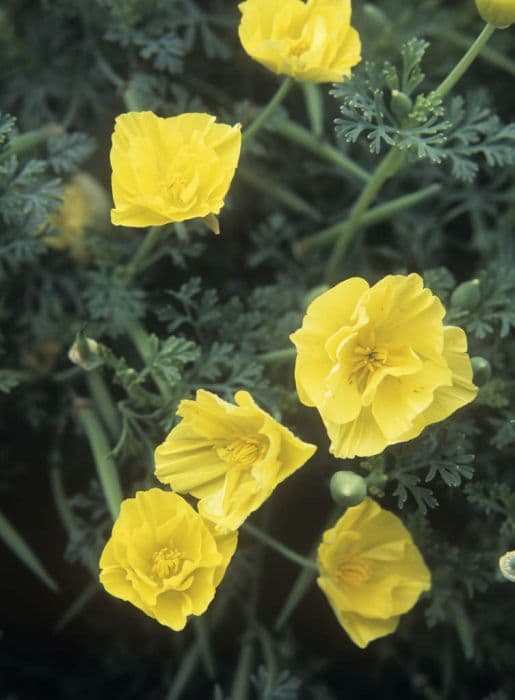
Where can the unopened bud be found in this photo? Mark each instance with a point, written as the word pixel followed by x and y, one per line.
pixel 466 295
pixel 507 565
pixel 482 370
pixel 84 353
pixel 401 104
pixel 348 489
pixel 500 13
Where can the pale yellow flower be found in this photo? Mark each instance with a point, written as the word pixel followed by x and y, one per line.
pixel 231 457
pixel 171 169
pixel 164 558
pixel 85 205
pixel 370 571
pixel 310 41
pixel 500 13
pixel 378 363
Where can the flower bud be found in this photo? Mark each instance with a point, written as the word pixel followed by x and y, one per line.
pixel 401 104
pixel 481 369
pixel 500 13
pixel 348 489
pixel 507 565
pixel 84 353
pixel 466 295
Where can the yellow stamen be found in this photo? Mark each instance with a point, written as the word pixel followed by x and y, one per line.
pixel 166 562
pixel 244 451
pixel 353 572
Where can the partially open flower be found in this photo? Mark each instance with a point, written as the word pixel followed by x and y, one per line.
pixel 309 41
pixel 229 456
pixel 164 558
pixel 370 571
pixel 171 169
pixel 378 363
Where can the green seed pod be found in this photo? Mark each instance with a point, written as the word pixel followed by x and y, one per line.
pixel 466 295
pixel 401 104
pixel 348 489
pixel 500 13
pixel 482 370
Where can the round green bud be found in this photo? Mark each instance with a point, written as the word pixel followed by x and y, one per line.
pixel 482 370
pixel 507 566
pixel 401 104
pixel 500 13
pixel 348 489
pixel 466 295
pixel 314 293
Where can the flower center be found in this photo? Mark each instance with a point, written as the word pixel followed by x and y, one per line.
pixel 367 359
pixel 299 48
pixel 353 572
pixel 166 562
pixel 243 451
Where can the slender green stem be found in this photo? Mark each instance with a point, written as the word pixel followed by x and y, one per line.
pixel 240 684
pixel 141 341
pixel 77 606
pixel 296 594
pixel 270 659
pixel 297 134
pixel 63 508
pixel 285 355
pixel 252 129
pixel 314 100
pixel 106 468
pixel 387 167
pixel 202 635
pixel 493 56
pixel 12 539
pixel 104 402
pixel 29 140
pixel 279 547
pixel 372 217
pixel 263 183
pixel 188 664
pixel 148 243
pixel 462 66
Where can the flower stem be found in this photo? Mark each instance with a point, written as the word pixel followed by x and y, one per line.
pixel 492 56
pixel 265 113
pixel 263 183
pixel 296 594
pixel 106 468
pixel 279 547
pixel 387 167
pixel 29 140
pixel 370 218
pixel 145 248
pixel 278 355
pixel 141 341
pixel 464 64
pixel 12 539
pixel 202 636
pixel 104 402
pixel 297 134
pixel 240 684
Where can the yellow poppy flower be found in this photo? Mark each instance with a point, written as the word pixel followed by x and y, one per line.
pixel 231 457
pixel 171 169
pixel 500 13
pixel 378 363
pixel 85 205
pixel 309 41
pixel 370 571
pixel 164 558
